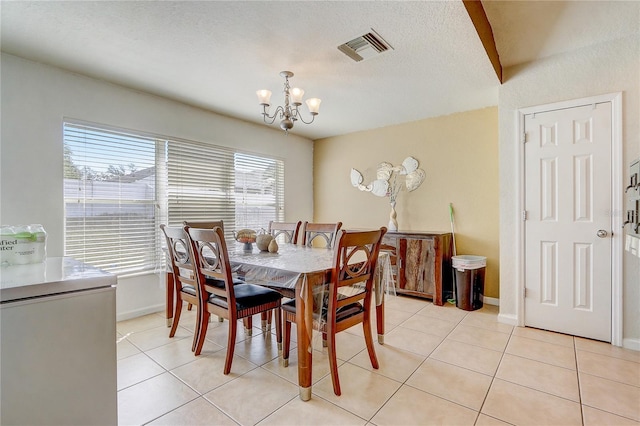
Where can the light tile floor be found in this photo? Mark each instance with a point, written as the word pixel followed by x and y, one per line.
pixel 439 365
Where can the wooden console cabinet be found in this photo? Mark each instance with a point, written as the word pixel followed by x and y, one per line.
pixel 423 264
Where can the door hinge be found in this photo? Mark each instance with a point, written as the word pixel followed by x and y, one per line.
pixel 524 137
pixel 525 292
pixel 524 215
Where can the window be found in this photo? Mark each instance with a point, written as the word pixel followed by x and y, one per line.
pixel 110 199
pixel 199 183
pixel 259 191
pixel 119 187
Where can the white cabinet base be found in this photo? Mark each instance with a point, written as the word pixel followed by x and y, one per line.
pixel 58 360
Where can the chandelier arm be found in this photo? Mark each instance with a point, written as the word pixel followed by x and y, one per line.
pixel 299 117
pixel 266 117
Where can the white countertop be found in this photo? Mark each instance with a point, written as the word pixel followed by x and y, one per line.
pixel 54 276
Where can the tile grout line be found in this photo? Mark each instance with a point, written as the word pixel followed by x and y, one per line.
pixel 198 394
pixel 493 378
pixel 528 387
pixel 457 323
pixel 404 383
pixel 575 356
pixel 607 411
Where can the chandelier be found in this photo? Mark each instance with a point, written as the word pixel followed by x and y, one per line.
pixel 289 113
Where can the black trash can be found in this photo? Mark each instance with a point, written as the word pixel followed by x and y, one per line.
pixel 469 281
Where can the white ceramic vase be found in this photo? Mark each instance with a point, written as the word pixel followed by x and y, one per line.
pixel 393 223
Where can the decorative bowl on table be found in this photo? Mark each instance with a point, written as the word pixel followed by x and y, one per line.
pixel 246 237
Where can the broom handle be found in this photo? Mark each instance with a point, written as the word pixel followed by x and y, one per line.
pixel 453 234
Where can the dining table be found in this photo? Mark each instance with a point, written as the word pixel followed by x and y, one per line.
pixel 299 272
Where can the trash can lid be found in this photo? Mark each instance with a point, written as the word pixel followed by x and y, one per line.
pixel 469 261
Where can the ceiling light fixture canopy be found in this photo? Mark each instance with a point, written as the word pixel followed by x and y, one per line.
pixel 289 113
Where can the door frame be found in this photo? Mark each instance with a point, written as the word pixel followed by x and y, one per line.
pixel 616 208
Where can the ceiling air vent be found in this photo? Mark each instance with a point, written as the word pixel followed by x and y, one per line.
pixel 365 47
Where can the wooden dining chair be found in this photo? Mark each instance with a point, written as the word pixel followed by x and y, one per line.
pixel 348 300
pixel 183 272
pixel 233 302
pixel 248 322
pixel 326 232
pixel 288 230
pixel 206 225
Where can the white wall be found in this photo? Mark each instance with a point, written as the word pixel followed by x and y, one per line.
pixel 605 68
pixel 36 98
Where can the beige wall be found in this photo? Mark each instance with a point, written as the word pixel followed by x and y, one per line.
pixel 459 153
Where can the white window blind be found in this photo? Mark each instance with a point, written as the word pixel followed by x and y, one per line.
pixel 119 187
pixel 206 182
pixel 110 199
pixel 259 190
pixel 200 184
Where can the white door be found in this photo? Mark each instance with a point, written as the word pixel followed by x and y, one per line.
pixel 568 243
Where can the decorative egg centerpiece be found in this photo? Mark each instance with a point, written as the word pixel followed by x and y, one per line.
pixel 262 241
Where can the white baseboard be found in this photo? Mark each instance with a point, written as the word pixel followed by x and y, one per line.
pixel 633 344
pixel 507 319
pixel 121 316
pixel 491 301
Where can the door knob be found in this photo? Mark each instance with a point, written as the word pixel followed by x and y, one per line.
pixel 602 233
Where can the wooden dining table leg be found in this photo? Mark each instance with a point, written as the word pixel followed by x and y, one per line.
pixel 380 320
pixel 304 326
pixel 171 288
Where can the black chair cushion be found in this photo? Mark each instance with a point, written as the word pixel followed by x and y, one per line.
pixel 343 313
pixel 189 289
pixel 214 282
pixel 248 296
pixel 348 311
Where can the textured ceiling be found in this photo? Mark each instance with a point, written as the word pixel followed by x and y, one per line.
pixel 216 54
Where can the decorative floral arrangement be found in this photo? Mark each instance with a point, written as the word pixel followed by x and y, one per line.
pixel 390 179
pixel 395 186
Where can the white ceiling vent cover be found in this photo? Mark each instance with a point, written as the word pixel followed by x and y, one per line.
pixel 365 47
